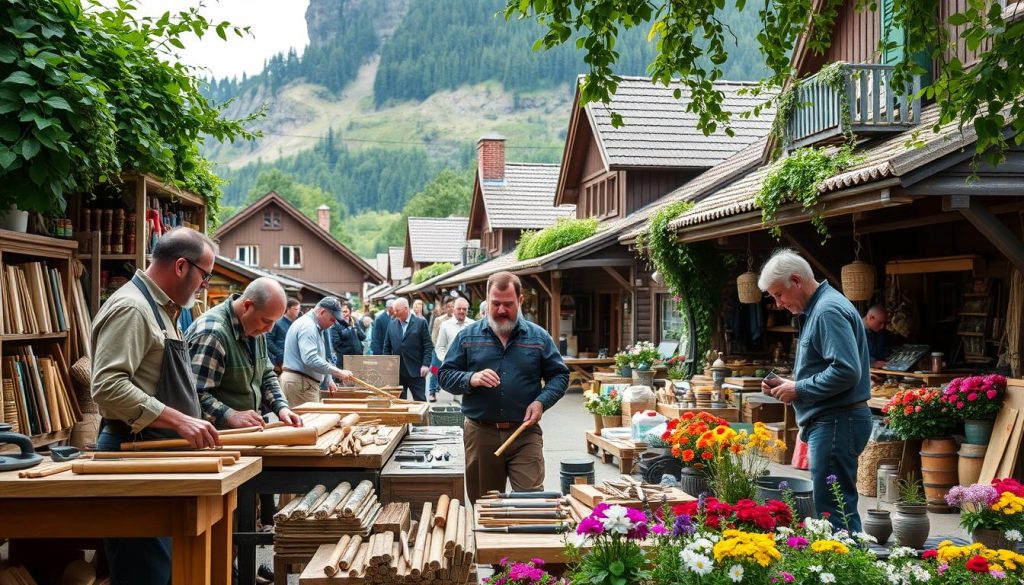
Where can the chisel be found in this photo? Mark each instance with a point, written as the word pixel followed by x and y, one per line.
pixel 534 529
pixel 520 495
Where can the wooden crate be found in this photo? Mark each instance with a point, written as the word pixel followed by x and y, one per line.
pixel 675 410
pixel 788 436
pixel 631 408
pixel 765 412
pixel 625 451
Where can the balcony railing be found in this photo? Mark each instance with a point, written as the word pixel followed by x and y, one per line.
pixel 875 106
pixel 473 255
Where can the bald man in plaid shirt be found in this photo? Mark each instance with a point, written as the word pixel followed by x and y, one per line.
pixel 234 376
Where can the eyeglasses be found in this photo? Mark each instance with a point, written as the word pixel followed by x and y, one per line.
pixel 206 275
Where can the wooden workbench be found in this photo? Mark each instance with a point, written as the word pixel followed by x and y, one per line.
pixel 582 370
pixel 419 486
pixel 371 456
pixel 926 378
pixel 195 509
pixel 625 451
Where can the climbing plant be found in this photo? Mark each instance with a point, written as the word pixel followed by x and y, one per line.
pixel 797 178
pixel 833 76
pixel 694 273
pixel 565 232
pixel 427 272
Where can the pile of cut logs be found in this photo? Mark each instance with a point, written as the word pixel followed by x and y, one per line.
pixel 441 552
pixel 322 517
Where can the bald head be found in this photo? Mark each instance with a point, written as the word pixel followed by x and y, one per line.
pixel 260 306
pixel 265 290
pixel 876 318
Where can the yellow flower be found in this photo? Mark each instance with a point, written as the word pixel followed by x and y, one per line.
pixel 740 545
pixel 829 546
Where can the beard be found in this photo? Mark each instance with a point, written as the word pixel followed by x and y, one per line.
pixel 505 326
pixel 191 302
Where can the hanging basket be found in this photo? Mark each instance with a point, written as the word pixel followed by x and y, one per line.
pixel 746 288
pixel 858 280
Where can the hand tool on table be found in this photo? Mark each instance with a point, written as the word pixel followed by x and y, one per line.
pixel 508 442
pixel 28 456
pixel 529 529
pixel 515 495
pixel 64 454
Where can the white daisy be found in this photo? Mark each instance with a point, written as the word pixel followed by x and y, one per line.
pixel 815 568
pixel 736 573
pixel 615 520
pixel 828 578
pixel 1013 535
pixel 700 564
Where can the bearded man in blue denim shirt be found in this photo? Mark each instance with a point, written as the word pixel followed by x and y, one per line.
pixel 832 380
pixel 508 372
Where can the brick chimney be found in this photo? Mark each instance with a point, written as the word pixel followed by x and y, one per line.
pixel 323 217
pixel 490 156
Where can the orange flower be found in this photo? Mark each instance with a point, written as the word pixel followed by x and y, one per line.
pixel 675 451
pixel 687 455
pixel 706 455
pixel 735 448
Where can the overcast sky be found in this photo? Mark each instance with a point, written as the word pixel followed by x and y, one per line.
pixel 276 26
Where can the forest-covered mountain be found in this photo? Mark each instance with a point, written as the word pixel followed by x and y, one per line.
pixel 390 92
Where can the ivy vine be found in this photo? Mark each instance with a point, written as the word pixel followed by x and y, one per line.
pixel 797 178
pixel 694 273
pixel 833 76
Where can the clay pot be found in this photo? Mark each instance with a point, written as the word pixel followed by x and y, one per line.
pixel 878 524
pixel 910 525
pixel 598 424
pixel 694 482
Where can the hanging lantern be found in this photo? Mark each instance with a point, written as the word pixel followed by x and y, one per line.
pixel 746 288
pixel 657 277
pixel 858 277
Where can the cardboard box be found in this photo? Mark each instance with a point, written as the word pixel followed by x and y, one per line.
pixel 379 370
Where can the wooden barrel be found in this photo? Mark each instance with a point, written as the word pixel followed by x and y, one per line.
pixel 939 471
pixel 972 457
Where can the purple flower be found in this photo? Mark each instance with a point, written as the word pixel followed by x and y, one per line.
pixel 599 510
pixel 797 542
pixel 831 480
pixel 783 485
pixel 590 525
pixel 978 493
pixel 537 562
pixel 659 529
pixel 997 573
pixel 786 577
pixel 638 532
pixel 636 516
pixel 942 568
pixel 683 526
pixel 701 503
pixel 503 561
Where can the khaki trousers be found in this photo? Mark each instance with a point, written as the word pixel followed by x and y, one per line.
pixel 299 389
pixel 522 463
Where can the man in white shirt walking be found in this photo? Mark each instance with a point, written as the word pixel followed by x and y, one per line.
pixel 450 329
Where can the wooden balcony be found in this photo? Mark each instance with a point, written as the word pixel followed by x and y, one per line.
pixel 875 106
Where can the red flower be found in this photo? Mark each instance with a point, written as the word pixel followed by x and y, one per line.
pixel 929 554
pixel 978 564
pixel 825 515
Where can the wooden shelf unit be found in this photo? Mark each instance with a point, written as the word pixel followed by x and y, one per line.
pixel 138 190
pixel 18 248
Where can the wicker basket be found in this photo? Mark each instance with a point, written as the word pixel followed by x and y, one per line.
pixel 746 288
pixel 447 416
pixel 858 280
pixel 81 373
pixel 867 464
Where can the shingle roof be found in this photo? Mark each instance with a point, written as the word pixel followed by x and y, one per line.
pixel 398 270
pixel 437 239
pixel 480 271
pixel 891 157
pixel 382 262
pixel 525 199
pixel 659 132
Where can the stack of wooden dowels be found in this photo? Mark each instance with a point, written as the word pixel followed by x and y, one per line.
pixel 322 517
pixel 114 462
pixel 441 551
pixel 395 517
pixel 544 508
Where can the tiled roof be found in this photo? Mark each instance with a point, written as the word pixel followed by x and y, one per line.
pixel 525 199
pixel 480 271
pixel 398 270
pixel 437 239
pixel 891 157
pixel 382 262
pixel 659 132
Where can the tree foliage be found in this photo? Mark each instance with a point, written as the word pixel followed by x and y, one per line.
pixel 427 272
pixel 86 93
pixel 565 232
pixel 986 95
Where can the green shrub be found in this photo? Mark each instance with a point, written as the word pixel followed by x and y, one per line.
pixel 565 232
pixel 427 272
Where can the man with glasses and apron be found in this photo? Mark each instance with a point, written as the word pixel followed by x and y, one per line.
pixel 142 377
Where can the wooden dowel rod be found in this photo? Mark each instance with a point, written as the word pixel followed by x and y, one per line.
pixel 404 541
pixel 331 567
pixel 421 538
pixel 451 526
pixel 349 556
pixel 238 431
pixel 45 471
pixel 436 547
pixel 286 511
pixel 378 391
pixel 307 502
pixel 508 442
pixel 326 508
pixel 282 436
pixel 197 465
pixel 235 455
pixel 441 513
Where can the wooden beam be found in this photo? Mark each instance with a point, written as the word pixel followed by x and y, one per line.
pixel 995 231
pixel 544 286
pixel 821 268
pixel 556 306
pixel 617 277
pixel 924 221
pixel 595 262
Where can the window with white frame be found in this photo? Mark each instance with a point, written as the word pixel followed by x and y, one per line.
pixel 674 323
pixel 291 257
pixel 248 255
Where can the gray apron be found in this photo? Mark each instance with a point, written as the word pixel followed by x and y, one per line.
pixel 176 386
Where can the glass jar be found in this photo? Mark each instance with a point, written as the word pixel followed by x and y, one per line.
pixel 937 362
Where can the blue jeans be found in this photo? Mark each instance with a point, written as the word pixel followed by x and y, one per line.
pixel 435 363
pixel 134 560
pixel 834 442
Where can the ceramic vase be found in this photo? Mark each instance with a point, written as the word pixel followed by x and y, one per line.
pixel 910 525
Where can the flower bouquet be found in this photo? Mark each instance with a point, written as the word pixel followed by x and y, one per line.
pixel 518 573
pixel 919 414
pixel 743 515
pixel 993 514
pixel 683 433
pixel 643 355
pixel 739 460
pixel 614 534
pixel 976 397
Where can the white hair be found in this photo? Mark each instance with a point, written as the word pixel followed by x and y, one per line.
pixel 400 302
pixel 783 264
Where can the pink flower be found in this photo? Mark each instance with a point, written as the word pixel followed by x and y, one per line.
pixel 788 578
pixel 991 394
pixel 590 525
pixel 942 568
pixel 537 562
pixel 917 408
pixel 960 404
pixel 659 529
pixel 972 397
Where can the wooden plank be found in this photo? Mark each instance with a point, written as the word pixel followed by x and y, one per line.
pixel 1012 449
pixel 939 264
pixel 313 574
pixel 372 456
pixel 1005 422
pixel 731 414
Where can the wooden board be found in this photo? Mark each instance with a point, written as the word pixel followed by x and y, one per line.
pixel 372 456
pixel 355 393
pixel 592 496
pixel 419 486
pixel 625 451
pixel 675 411
pixel 1012 449
pixel 67 484
pixel 379 370
pixel 417 412
pixel 1003 427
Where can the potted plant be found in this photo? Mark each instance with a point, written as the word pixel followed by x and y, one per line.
pixel 623 364
pixel 592 402
pixel 643 356
pixel 610 410
pixel 993 514
pixel 976 400
pixel 910 523
pixel 684 435
pixel 613 534
pixel 921 413
pixel 676 368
